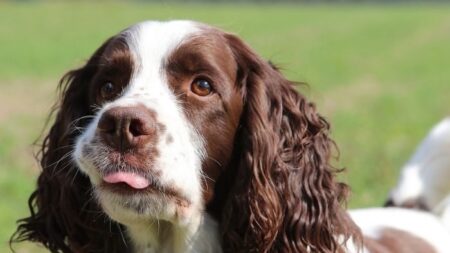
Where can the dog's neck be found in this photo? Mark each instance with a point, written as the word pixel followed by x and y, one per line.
pixel 199 236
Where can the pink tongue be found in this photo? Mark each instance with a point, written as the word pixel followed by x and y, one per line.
pixel 133 180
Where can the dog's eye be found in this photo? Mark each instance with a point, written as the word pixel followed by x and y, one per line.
pixel 107 91
pixel 201 87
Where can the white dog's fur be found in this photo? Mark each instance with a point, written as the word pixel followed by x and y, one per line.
pixel 426 176
pixel 420 224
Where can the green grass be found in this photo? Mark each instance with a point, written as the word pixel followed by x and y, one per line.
pixel 379 74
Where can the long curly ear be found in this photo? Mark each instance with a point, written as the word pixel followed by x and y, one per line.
pixel 285 197
pixel 64 217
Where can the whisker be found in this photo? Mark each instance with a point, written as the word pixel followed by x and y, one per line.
pixel 56 164
pixel 60 170
pixel 214 160
pixel 79 129
pixel 74 176
pixel 71 146
pixel 121 234
pixel 96 107
pixel 81 118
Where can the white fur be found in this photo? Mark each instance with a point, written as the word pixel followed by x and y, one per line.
pixel 162 227
pixel 421 224
pixel 427 173
pixel 350 247
pixel 160 238
pixel 443 211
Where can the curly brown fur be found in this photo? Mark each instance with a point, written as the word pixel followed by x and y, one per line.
pixel 64 216
pixel 285 197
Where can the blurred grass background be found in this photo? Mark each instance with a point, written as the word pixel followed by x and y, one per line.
pixel 379 73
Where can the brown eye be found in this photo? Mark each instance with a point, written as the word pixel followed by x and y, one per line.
pixel 107 91
pixel 201 87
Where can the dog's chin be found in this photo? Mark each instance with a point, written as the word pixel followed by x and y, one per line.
pixel 131 207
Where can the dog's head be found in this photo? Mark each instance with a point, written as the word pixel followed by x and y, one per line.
pixel 165 110
pixel 167 121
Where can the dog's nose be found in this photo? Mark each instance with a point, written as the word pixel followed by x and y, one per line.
pixel 125 128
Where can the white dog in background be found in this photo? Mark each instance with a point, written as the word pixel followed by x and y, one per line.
pixel 424 181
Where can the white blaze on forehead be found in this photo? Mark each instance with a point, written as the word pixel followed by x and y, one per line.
pixel 152 42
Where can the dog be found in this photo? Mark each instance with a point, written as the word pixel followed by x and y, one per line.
pixel 424 181
pixel 177 137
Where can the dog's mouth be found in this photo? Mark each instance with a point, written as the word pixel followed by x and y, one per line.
pixel 122 182
pixel 128 179
pixel 130 183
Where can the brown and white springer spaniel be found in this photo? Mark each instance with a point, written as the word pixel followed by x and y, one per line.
pixel 188 141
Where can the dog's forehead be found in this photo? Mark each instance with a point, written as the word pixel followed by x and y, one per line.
pixel 151 42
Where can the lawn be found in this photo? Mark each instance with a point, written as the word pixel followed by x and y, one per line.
pixel 380 74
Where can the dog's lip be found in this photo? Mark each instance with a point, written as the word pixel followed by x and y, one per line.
pixel 129 183
pixel 133 180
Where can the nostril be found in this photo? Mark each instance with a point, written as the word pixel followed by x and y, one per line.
pixel 137 127
pixel 107 124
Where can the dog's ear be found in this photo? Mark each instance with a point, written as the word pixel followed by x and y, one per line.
pixel 284 195
pixel 64 215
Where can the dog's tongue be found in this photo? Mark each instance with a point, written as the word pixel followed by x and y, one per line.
pixel 133 180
